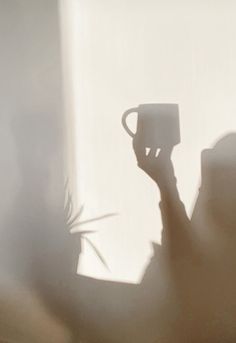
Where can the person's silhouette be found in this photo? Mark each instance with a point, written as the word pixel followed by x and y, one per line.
pixel 214 217
pixel 200 268
pixel 179 255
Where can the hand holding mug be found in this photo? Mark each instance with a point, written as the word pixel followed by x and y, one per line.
pixel 157 133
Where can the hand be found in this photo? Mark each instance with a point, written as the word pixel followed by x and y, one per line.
pixel 156 163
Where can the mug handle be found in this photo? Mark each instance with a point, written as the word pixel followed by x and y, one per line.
pixel 124 123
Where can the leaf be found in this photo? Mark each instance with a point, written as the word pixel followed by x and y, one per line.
pixel 84 232
pixel 66 184
pixel 68 207
pixel 77 215
pixel 97 252
pixel 97 218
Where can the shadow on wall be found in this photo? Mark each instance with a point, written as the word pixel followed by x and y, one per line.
pixel 188 290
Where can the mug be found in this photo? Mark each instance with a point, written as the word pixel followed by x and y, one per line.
pixel 157 125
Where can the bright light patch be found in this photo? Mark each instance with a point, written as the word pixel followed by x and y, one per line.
pixel 120 58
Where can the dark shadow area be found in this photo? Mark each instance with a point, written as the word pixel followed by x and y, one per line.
pixel 187 293
pixel 197 255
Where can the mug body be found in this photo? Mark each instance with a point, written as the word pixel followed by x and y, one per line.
pixel 158 125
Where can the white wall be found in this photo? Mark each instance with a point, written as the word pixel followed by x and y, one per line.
pixel 127 53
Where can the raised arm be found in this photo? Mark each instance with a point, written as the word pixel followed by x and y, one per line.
pixel 159 167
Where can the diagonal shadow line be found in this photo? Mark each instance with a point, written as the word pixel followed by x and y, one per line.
pixel 90 221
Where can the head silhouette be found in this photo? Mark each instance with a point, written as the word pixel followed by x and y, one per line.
pixel 219 182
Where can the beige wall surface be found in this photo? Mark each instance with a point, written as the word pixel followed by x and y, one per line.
pixel 126 53
pixel 68 71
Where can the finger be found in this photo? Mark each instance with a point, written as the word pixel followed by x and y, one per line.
pixel 166 152
pixel 152 153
